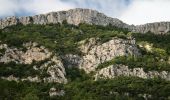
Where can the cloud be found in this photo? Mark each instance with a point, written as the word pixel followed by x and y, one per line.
pixel 147 11
pixel 8 7
pixel 30 7
pixel 45 6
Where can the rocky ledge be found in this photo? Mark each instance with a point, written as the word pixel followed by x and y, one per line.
pixel 113 71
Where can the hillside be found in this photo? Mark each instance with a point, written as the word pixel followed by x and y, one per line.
pixel 68 58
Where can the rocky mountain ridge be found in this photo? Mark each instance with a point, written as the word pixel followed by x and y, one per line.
pixel 78 15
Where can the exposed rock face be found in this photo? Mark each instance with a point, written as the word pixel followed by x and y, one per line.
pixel 157 28
pixel 32 53
pixel 52 66
pixel 73 16
pixel 122 70
pixel 77 16
pixel 55 70
pixel 8 22
pixel 11 78
pixel 96 53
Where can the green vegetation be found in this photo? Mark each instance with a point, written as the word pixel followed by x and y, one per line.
pixel 158 41
pixel 81 87
pixel 116 89
pixel 10 90
pixel 75 74
pixel 22 70
pixel 18 70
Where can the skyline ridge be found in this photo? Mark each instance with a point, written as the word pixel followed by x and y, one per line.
pixel 89 16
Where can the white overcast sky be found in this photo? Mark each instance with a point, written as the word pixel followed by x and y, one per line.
pixel 130 11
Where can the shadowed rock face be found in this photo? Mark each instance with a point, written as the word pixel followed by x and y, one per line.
pixel 77 16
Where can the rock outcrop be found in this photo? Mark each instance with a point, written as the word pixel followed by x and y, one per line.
pixel 157 28
pixel 54 92
pixel 122 70
pixel 96 53
pixel 78 15
pixel 51 65
pixel 32 53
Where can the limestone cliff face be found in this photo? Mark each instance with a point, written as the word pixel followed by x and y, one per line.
pixel 32 53
pixel 122 70
pixel 51 64
pixel 157 28
pixel 52 67
pixel 77 16
pixel 96 53
pixel 73 16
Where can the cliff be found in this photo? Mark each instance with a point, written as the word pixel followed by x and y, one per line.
pixel 73 16
pixel 44 64
pixel 157 28
pixel 96 53
pixel 122 70
pixel 77 16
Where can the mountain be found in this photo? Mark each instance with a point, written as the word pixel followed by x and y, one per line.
pixel 77 16
pixel 81 54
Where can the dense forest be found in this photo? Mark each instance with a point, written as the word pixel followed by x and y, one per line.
pixel 63 38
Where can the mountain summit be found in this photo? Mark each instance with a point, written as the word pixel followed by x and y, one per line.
pixel 78 15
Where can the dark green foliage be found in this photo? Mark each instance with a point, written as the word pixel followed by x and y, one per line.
pixel 87 89
pixel 74 74
pixel 10 90
pixel 22 70
pixel 2 51
pixel 159 41
pixel 18 70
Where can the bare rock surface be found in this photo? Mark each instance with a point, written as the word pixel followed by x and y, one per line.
pixel 52 65
pixel 78 15
pixel 122 70
pixel 73 16
pixel 157 28
pixel 96 53
pixel 54 92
